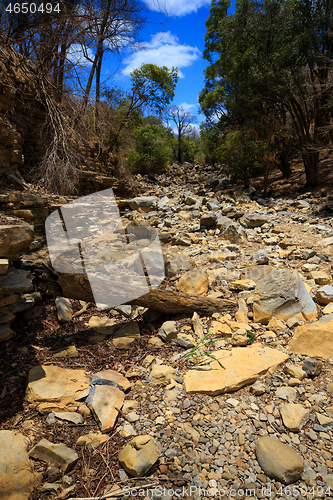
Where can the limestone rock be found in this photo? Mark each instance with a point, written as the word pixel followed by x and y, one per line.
pixel 177 264
pixel 194 282
pixel 64 309
pixel 260 257
pixel 276 325
pixel 294 416
pixel 70 352
pixel 282 294
pixel 92 440
pixel 51 453
pixel 208 220
pixel 185 341
pixel 104 401
pixel 241 314
pixel 278 460
pixel 143 203
pixel 104 325
pixel 70 416
pixel 230 230
pixel 197 325
pixel 312 367
pixel 243 365
pixel 257 389
pixel 240 285
pixel 16 282
pixel 139 455
pixel 320 277
pixel 162 374
pixel 15 240
pixel 294 371
pixel 168 331
pixel 253 220
pixel 4 264
pixel 16 475
pixel 5 333
pixel 52 388
pixel 324 295
pixel 239 338
pixel 314 339
pixel 286 392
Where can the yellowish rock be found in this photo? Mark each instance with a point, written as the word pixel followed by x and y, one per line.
pixel 17 478
pixel 240 285
pixel 314 339
pixel 243 365
pixel 52 388
pixel 194 282
pixel 220 328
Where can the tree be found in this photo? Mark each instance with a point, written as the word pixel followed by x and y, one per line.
pixel 152 148
pixel 153 88
pixel 111 25
pixel 183 120
pixel 272 60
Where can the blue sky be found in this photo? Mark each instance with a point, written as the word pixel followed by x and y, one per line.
pixel 177 40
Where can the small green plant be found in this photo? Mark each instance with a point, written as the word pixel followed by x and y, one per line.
pixel 250 337
pixel 196 352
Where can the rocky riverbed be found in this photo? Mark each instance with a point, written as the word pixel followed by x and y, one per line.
pixel 91 400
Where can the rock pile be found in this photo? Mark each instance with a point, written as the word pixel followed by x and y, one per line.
pixel 251 413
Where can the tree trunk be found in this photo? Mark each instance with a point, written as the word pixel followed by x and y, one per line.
pixel 284 165
pixel 311 165
pixel 76 286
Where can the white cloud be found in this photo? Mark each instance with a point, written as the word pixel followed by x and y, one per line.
pixel 164 49
pixel 188 107
pixel 76 55
pixel 176 7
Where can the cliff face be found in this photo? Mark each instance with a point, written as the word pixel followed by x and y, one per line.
pixel 22 115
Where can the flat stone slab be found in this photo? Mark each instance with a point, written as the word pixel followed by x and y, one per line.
pixel 52 388
pixel 103 401
pixel 17 282
pixel 314 339
pixel 16 477
pixel 243 365
pixel 51 453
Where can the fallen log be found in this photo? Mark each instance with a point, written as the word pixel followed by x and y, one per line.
pixel 77 286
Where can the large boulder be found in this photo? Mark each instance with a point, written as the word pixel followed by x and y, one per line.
pixel 278 460
pixel 15 240
pixel 282 293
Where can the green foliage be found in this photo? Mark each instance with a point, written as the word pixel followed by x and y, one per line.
pixel 272 61
pixel 153 88
pixel 240 154
pixel 196 353
pixel 250 337
pixel 152 150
